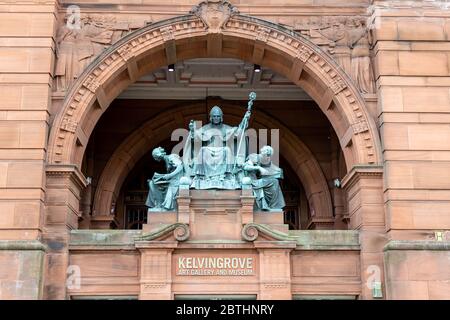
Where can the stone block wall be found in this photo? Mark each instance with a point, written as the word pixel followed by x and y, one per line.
pixel 412 59
pixel 412 55
pixel 26 68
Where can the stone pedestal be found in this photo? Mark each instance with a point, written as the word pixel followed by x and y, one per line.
pixel 275 269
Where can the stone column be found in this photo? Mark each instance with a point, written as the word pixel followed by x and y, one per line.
pixel 64 186
pixel 275 269
pixel 156 269
pixel 364 187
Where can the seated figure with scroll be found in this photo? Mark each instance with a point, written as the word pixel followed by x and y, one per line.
pixel 164 187
pixel 212 152
pixel 265 175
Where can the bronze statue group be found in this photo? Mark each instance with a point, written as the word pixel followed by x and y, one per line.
pixel 215 157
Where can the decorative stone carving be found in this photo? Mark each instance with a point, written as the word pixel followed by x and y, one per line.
pixel 361 68
pixel 360 127
pixel 78 45
pixel 214 13
pixel 126 51
pixel 180 231
pixel 69 125
pixel 346 39
pixel 338 85
pixel 304 53
pixel 91 83
pixel 251 232
pixel 167 33
pixel 263 34
pixel 77 105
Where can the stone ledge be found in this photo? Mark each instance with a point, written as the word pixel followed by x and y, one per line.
pixel 108 238
pixel 24 245
pixel 326 238
pixel 417 245
pixel 101 247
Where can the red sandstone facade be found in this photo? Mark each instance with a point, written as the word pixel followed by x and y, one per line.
pixel 358 89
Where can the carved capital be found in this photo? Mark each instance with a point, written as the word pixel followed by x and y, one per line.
pixel 214 13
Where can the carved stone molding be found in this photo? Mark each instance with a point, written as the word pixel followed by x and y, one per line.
pixel 69 125
pixel 360 127
pixel 337 85
pixel 276 285
pixel 304 53
pixel 214 13
pixel 252 231
pixel 359 172
pixel 167 33
pixel 91 83
pixel 69 172
pixel 126 52
pixel 80 99
pixel 180 231
pixel 262 34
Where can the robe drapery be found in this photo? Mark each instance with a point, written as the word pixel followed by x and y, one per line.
pixel 213 154
pixel 162 191
pixel 266 186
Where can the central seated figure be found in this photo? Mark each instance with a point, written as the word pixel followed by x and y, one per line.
pixel 214 154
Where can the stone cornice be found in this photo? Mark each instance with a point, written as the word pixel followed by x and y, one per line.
pixel 25 245
pixel 304 239
pixel 358 171
pixel 69 171
pixel 417 245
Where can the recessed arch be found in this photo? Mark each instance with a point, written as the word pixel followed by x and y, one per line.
pixel 187 37
pixel 157 129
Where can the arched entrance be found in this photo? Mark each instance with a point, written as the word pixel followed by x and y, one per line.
pixel 196 35
pixel 159 129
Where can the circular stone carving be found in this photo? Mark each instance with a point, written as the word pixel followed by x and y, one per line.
pixel 250 232
pixel 181 232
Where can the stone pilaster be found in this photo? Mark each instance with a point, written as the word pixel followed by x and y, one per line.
pixel 275 269
pixel 156 269
pixel 364 187
pixel 64 186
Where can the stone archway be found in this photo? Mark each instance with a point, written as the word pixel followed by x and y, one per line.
pixel 133 148
pixel 222 32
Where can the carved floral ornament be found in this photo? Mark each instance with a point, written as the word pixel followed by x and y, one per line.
pixel 209 16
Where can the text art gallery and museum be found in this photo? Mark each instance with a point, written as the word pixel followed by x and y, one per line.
pixel 225 149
